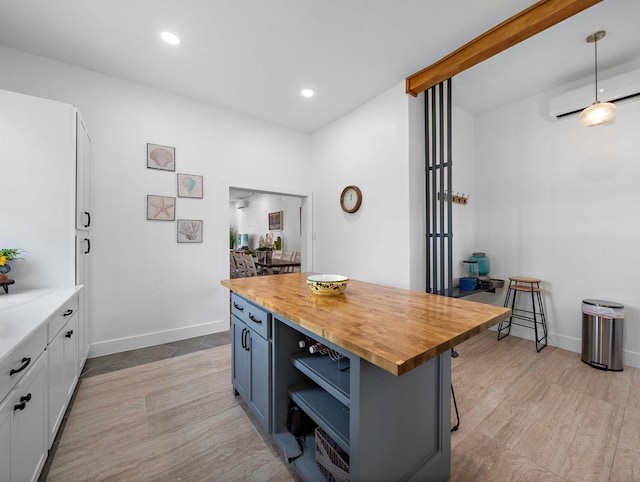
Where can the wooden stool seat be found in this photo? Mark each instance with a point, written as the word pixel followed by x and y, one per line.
pixel 523 279
pixel 525 284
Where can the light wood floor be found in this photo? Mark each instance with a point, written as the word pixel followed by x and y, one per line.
pixel 170 420
pixel 544 416
pixel 525 416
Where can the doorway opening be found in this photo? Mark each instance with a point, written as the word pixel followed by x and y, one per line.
pixel 263 222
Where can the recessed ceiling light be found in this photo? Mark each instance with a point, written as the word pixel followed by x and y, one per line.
pixel 170 38
pixel 306 93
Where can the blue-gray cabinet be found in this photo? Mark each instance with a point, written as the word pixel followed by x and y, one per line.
pixel 391 427
pixel 251 360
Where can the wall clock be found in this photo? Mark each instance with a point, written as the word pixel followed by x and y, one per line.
pixel 351 199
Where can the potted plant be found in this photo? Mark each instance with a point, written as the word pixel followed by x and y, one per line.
pixel 8 254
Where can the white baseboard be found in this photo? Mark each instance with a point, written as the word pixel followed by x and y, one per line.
pixel 629 358
pixel 149 339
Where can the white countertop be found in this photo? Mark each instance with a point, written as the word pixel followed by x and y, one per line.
pixel 22 312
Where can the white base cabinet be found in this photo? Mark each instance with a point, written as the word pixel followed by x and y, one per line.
pixel 6 409
pixel 23 426
pixel 29 447
pixel 38 374
pixel 63 366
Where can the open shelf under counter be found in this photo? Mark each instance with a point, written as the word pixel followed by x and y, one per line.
pixel 306 463
pixel 332 375
pixel 324 409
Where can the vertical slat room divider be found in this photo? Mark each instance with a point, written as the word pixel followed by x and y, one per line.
pixel 438 158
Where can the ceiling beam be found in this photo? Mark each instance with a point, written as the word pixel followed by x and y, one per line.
pixel 527 23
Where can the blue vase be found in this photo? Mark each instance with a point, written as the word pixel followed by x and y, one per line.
pixel 5 269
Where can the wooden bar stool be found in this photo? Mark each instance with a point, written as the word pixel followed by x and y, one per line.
pixel 525 285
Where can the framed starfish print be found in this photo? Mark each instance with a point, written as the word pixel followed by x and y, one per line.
pixel 161 208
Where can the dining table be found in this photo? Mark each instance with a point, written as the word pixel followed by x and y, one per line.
pixel 275 266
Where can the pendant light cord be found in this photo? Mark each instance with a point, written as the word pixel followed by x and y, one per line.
pixel 596 65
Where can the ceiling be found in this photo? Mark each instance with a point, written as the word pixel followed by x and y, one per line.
pixel 254 56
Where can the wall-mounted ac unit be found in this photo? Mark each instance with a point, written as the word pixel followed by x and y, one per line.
pixel 614 89
pixel 242 204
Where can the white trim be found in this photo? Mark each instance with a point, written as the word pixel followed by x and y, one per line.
pixel 629 358
pixel 149 339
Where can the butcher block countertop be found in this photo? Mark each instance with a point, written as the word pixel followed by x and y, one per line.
pixel 394 329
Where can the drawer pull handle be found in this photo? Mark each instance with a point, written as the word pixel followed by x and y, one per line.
pixel 254 319
pixel 88 245
pixel 23 402
pixel 237 306
pixel 88 223
pixel 67 313
pixel 25 364
pixel 69 333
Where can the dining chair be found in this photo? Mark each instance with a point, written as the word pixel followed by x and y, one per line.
pixel 298 259
pixel 250 266
pixel 239 259
pixel 295 256
pixel 233 268
pixel 287 255
pixel 277 254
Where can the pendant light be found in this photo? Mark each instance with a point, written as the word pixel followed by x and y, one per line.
pixel 599 112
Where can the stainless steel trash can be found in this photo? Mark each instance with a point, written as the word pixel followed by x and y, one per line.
pixel 602 334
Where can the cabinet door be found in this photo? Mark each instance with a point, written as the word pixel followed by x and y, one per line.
pixel 57 398
pixel 70 334
pixel 6 407
pixel 29 424
pixel 83 329
pixel 83 166
pixel 260 383
pixel 240 361
pixel 83 274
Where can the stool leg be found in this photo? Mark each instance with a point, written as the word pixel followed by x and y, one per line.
pixel 539 341
pixel 506 325
pixel 455 404
pixel 535 318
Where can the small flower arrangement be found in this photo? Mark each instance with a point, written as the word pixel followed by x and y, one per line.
pixel 265 242
pixel 9 254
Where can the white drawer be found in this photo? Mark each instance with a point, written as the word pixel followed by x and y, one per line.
pixel 61 316
pixel 21 358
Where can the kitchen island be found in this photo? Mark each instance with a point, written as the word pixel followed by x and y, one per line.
pixel 383 393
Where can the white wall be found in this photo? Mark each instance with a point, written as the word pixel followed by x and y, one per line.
pixel 559 202
pixel 380 148
pixel 146 288
pixel 463 182
pixel 368 147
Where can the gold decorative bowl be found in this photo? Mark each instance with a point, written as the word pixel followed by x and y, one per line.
pixel 327 284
